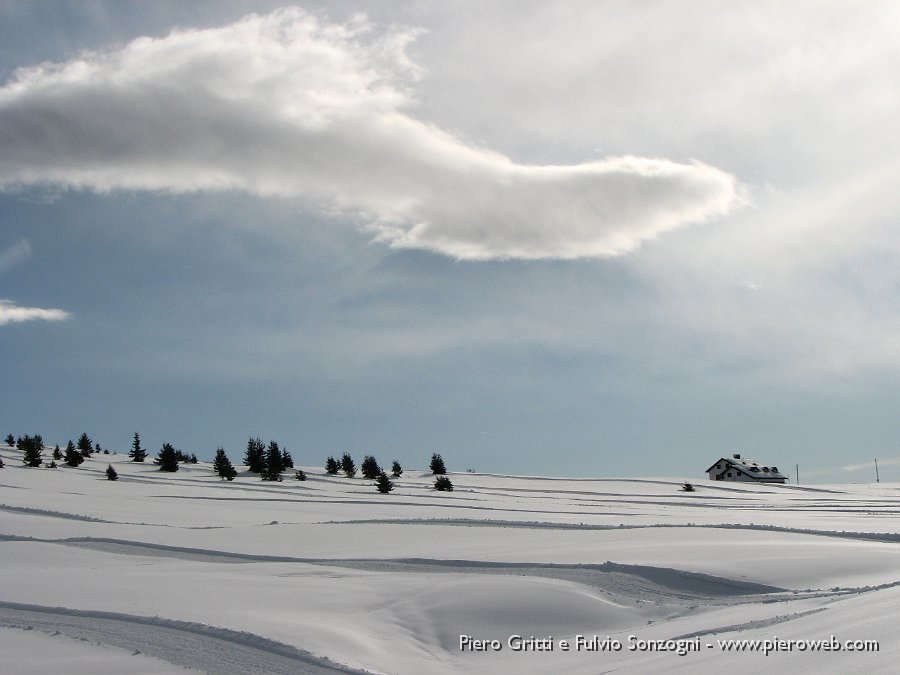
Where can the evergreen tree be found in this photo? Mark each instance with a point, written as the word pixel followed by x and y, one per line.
pixel 32 448
pixel 443 484
pixel 286 459
pixel 57 453
pixel 300 475
pixel 10 440
pixel 332 466
pixel 1 463
pixel 347 465
pixel 383 483
pixel 223 465
pixel 111 473
pixel 396 469
pixel 370 468
pixel 274 463
pixel 185 458
pixel 167 458
pixel 255 457
pixel 437 465
pixel 137 453
pixel 72 456
pixel 84 445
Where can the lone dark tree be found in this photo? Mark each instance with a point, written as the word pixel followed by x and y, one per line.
pixel 255 457
pixel 437 465
pixel 137 453
pixel 274 463
pixel 111 473
pixel 167 458
pixel 72 456
pixel 396 469
pixel 370 468
pixel 300 475
pixel 383 483
pixel 57 453
pixel 332 466
pixel 84 445
pixel 443 484
pixel 10 440
pixel 347 465
pixel 223 465
pixel 32 448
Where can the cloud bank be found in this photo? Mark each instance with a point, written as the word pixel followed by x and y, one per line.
pixel 289 105
pixel 12 313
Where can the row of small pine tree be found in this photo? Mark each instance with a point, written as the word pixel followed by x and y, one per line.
pixel 268 461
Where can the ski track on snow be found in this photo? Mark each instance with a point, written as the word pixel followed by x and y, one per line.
pixel 182 643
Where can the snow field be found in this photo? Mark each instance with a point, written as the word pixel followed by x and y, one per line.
pixel 328 574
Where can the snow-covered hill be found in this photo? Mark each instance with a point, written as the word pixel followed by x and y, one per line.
pixel 156 572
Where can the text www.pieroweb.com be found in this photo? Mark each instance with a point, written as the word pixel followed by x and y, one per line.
pixel 679 646
pixel 768 646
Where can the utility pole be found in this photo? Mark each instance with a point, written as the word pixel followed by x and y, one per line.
pixel 797 469
pixel 877 480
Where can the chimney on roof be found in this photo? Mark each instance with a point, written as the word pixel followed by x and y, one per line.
pixel 737 455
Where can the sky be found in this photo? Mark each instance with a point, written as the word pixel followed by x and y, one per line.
pixel 572 238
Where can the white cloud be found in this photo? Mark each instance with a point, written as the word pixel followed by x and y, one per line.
pixel 289 105
pixel 11 313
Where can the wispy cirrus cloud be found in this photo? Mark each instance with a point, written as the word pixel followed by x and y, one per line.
pixel 290 105
pixel 9 311
pixel 12 313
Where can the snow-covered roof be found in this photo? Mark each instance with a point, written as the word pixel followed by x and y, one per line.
pixel 750 467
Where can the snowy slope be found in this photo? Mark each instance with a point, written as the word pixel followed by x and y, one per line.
pixel 156 572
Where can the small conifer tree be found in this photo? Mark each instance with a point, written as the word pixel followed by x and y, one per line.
pixel 111 473
pixel 332 466
pixel 274 463
pixel 1 463
pixel 383 483
pixel 85 447
pixel 10 440
pixel 137 453
pixel 286 460
pixel 370 468
pixel 223 465
pixel 437 465
pixel 255 457
pixel 300 475
pixel 72 456
pixel 184 457
pixel 57 453
pixel 167 458
pixel 443 484
pixel 347 465
pixel 32 448
pixel 396 469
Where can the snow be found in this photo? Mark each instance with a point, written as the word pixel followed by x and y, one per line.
pixel 159 572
